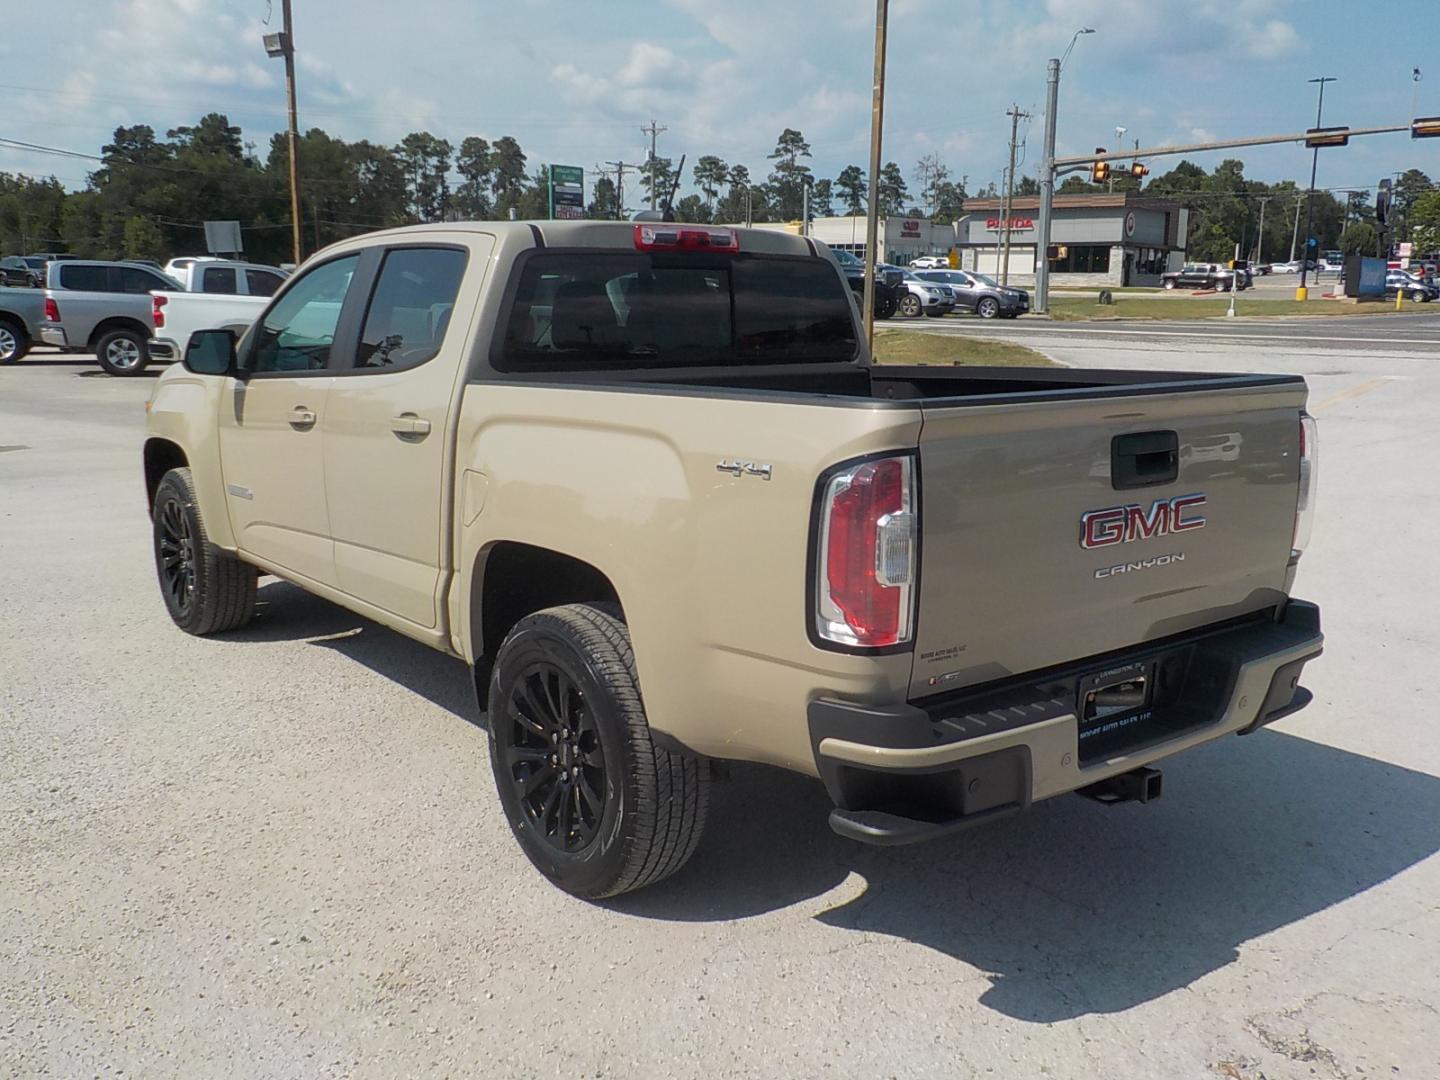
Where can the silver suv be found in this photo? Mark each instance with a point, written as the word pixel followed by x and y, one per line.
pixel 104 307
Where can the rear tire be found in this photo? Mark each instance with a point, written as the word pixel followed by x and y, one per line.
pixel 594 803
pixel 205 590
pixel 885 308
pixel 123 352
pixel 988 307
pixel 14 342
pixel 1168 284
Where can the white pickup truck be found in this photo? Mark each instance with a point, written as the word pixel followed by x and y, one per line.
pixel 219 294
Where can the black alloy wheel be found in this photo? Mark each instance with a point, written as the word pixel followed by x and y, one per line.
pixel 175 556
pixel 554 757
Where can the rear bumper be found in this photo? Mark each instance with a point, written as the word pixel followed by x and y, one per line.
pixel 53 335
pixel 163 349
pixel 904 773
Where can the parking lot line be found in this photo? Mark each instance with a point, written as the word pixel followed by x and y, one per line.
pixel 1355 391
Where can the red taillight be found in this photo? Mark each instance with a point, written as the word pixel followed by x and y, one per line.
pixel 157 310
pixel 52 310
pixel 657 237
pixel 867 544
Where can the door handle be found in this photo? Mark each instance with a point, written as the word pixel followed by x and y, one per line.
pixel 301 418
pixel 410 424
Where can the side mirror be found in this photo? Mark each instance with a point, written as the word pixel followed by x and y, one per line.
pixel 211 352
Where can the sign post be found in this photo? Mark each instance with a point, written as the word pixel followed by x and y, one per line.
pixel 567 192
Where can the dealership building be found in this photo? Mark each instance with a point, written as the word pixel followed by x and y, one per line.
pixel 1120 239
pixel 903 238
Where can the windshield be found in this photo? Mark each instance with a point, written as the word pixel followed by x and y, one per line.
pixel 986 279
pixel 844 258
pixel 596 309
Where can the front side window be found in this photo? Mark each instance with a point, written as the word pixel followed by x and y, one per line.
pixel 298 333
pixel 579 310
pixel 218 279
pixel 410 308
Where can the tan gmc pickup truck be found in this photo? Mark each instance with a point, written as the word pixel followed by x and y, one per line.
pixel 645 481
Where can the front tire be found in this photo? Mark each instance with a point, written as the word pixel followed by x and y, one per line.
pixel 910 306
pixel 14 342
pixel 205 590
pixel 988 307
pixel 123 352
pixel 1168 284
pixel 595 804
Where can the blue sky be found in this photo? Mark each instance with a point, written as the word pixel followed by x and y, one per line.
pixel 574 80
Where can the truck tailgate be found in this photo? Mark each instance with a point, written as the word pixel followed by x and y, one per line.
pixel 1009 580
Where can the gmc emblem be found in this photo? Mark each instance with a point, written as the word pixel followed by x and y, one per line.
pixel 1122 524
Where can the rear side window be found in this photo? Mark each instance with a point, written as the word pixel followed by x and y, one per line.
pixel 580 310
pixel 410 308
pixel 262 282
pixel 218 279
pixel 86 278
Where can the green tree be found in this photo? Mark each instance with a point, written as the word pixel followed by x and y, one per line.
pixel 507 173
pixel 692 208
pixel 1425 223
pixel 473 163
pixel 426 160
pixel 731 208
pixel 1027 185
pixel 143 239
pixel 605 204
pixel 853 189
pixel 822 198
pixel 709 173
pixel 893 193
pixel 1358 238
pixel 788 178
pixel 213 135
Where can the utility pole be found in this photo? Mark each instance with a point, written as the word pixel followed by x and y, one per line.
pixel 1047 178
pixel 283 45
pixel 1300 293
pixel 877 127
pixel 619 167
pixel 1015 117
pixel 1295 235
pixel 1260 238
pixel 653 131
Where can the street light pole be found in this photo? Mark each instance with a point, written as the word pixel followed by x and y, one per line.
pixel 877 126
pixel 283 45
pixel 1047 178
pixel 1301 293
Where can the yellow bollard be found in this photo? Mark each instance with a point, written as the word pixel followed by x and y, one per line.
pixel 1302 293
pixel 1399 299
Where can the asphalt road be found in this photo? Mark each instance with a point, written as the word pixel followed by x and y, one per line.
pixel 279 854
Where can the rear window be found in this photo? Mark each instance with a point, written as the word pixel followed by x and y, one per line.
pixel 584 310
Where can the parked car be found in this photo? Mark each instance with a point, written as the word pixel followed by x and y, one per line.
pixel 1203 276
pixel 16 271
pixel 1409 285
pixel 1285 268
pixel 104 307
pixel 22 311
pixel 176 266
pixel 545 449
pixel 1261 269
pixel 930 262
pixel 921 297
pixel 887 291
pixel 981 294
pixel 226 276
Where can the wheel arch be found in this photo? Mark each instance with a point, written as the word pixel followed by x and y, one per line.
pixel 510 580
pixel 160 456
pixel 119 322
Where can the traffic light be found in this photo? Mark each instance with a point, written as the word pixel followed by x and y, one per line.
pixel 1099 170
pixel 1382 202
pixel 1137 170
pixel 1331 136
pixel 1425 127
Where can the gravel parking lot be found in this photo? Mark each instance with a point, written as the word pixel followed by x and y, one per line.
pixel 279 854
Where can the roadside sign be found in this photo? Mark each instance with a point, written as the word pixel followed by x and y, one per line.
pixel 223 238
pixel 567 192
pixel 1406 250
pixel 954 258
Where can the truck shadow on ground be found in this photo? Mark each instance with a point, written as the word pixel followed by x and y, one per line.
pixel 1073 908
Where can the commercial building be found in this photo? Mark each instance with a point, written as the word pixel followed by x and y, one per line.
pixel 904 238
pixel 1120 239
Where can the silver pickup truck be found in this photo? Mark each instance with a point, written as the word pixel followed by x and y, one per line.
pixel 21 313
pixel 647 483
pixel 104 307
